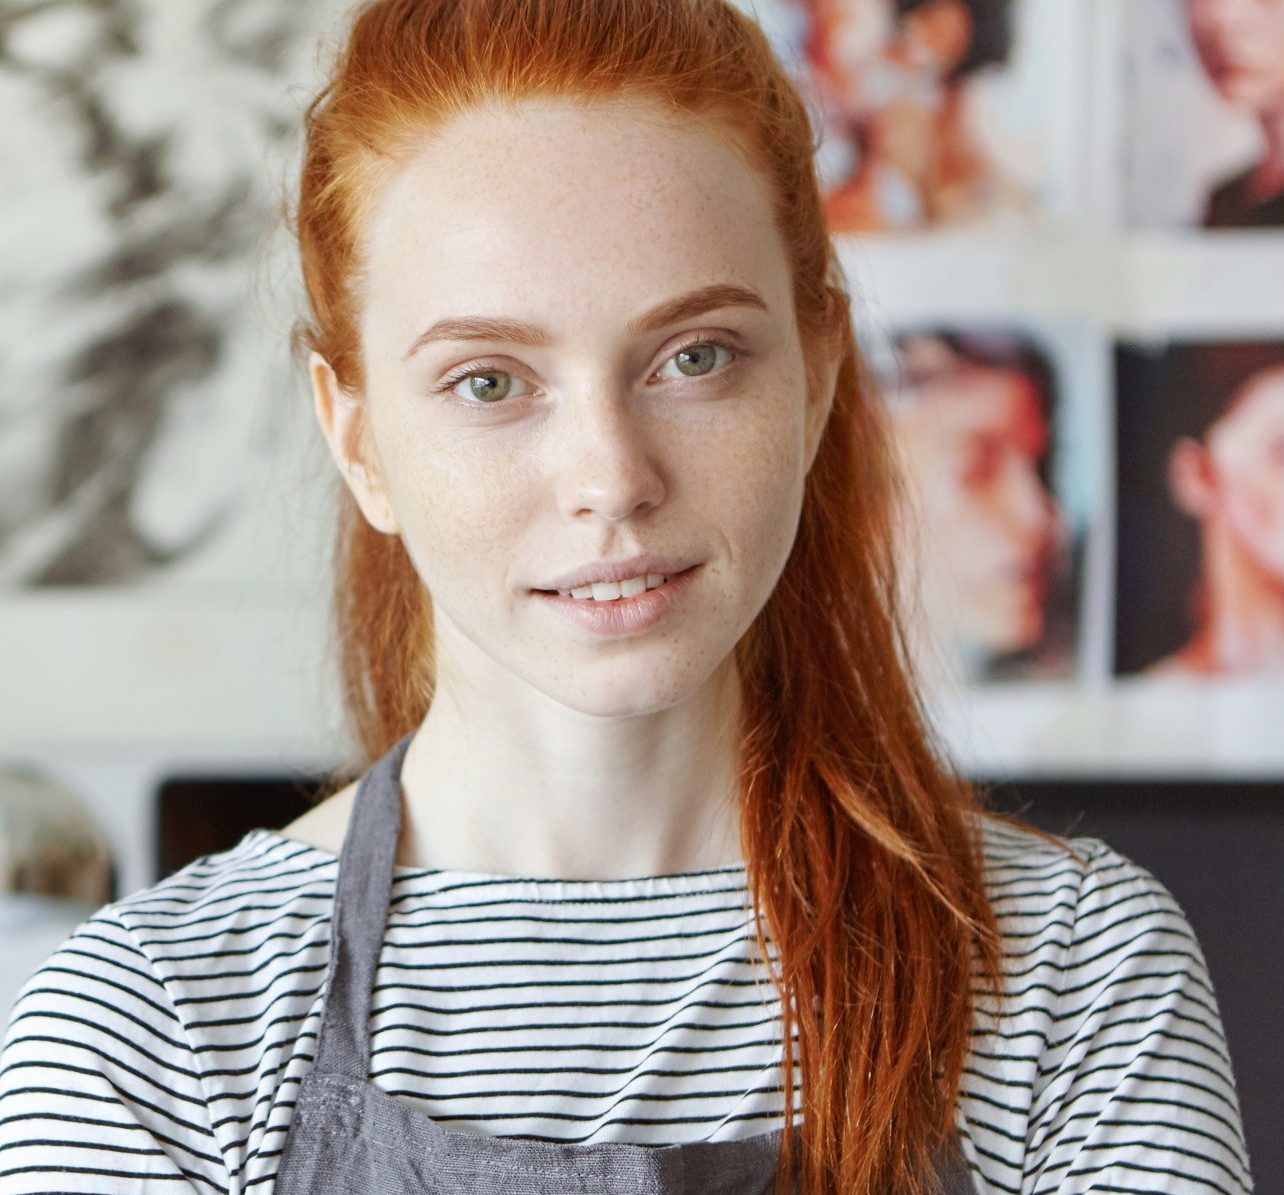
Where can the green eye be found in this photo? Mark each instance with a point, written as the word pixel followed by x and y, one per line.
pixel 696 360
pixel 481 386
pixel 489 386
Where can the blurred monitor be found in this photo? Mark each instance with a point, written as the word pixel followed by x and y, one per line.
pixel 201 815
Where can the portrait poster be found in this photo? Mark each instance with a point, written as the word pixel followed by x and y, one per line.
pixel 951 115
pixel 1200 510
pixel 987 422
pixel 1202 114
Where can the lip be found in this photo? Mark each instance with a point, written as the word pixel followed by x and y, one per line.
pixel 618 570
pixel 624 616
pixel 1032 580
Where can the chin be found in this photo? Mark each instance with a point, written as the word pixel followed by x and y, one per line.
pixel 1020 632
pixel 632 705
pixel 636 691
pixel 1243 91
pixel 1027 636
pixel 626 696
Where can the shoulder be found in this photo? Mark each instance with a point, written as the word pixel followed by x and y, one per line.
pixel 230 892
pixel 1075 909
pixel 239 940
pixel 1105 1054
pixel 153 1021
pixel 209 898
pixel 142 958
pixel 1066 892
pixel 95 1039
pixel 1076 916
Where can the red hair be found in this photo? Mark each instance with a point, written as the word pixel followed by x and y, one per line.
pixel 862 852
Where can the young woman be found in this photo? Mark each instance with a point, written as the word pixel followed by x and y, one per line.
pixel 1224 405
pixel 894 77
pixel 1240 44
pixel 651 795
pixel 971 416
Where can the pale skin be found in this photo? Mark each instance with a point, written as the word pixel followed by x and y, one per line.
pixel 892 75
pixel 1241 44
pixel 548 752
pixel 1233 483
pixel 985 526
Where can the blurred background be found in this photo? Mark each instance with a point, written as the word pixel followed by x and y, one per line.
pixel 1063 222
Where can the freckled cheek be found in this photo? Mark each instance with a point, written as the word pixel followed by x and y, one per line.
pixel 458 521
pixel 756 491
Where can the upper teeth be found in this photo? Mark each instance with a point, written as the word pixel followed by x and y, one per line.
pixel 608 591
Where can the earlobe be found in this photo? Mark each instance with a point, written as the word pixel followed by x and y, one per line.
pixel 341 419
pixel 819 407
pixel 1189 479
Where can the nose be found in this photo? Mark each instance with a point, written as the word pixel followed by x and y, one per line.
pixel 1224 16
pixel 1032 508
pixel 607 464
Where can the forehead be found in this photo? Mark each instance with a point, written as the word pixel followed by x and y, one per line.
pixel 1257 403
pixel 872 21
pixel 505 209
pixel 1240 12
pixel 975 400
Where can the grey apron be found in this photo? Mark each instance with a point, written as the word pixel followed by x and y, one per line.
pixel 349 1136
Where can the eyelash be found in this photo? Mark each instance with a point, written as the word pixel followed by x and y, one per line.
pixel 476 368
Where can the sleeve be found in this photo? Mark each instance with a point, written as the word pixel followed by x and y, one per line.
pixel 1134 1090
pixel 99 1087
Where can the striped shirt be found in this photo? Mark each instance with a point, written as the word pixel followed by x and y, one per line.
pixel 161 1048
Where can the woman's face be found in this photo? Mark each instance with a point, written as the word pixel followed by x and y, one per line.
pixel 973 441
pixel 597 229
pixel 1241 44
pixel 1246 454
pixel 858 34
pixel 880 57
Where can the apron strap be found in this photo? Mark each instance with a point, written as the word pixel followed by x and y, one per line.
pixel 360 917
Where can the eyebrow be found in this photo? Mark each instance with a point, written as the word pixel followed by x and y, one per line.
pixel 696 302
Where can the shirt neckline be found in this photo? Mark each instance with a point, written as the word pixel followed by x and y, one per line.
pixel 701 880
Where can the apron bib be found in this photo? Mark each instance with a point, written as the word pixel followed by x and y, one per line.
pixel 349 1136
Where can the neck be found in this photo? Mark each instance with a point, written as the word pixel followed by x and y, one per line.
pixel 1267 179
pixel 918 139
pixel 1243 627
pixel 504 780
pixel 1272 123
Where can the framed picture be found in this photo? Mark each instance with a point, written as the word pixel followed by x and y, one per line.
pixel 990 560
pixel 163 518
pixel 938 114
pixel 1203 105
pixel 1200 510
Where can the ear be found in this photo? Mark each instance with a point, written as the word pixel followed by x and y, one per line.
pixel 1190 478
pixel 820 399
pixel 939 32
pixel 342 422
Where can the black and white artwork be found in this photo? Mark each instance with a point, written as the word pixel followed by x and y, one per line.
pixel 151 425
